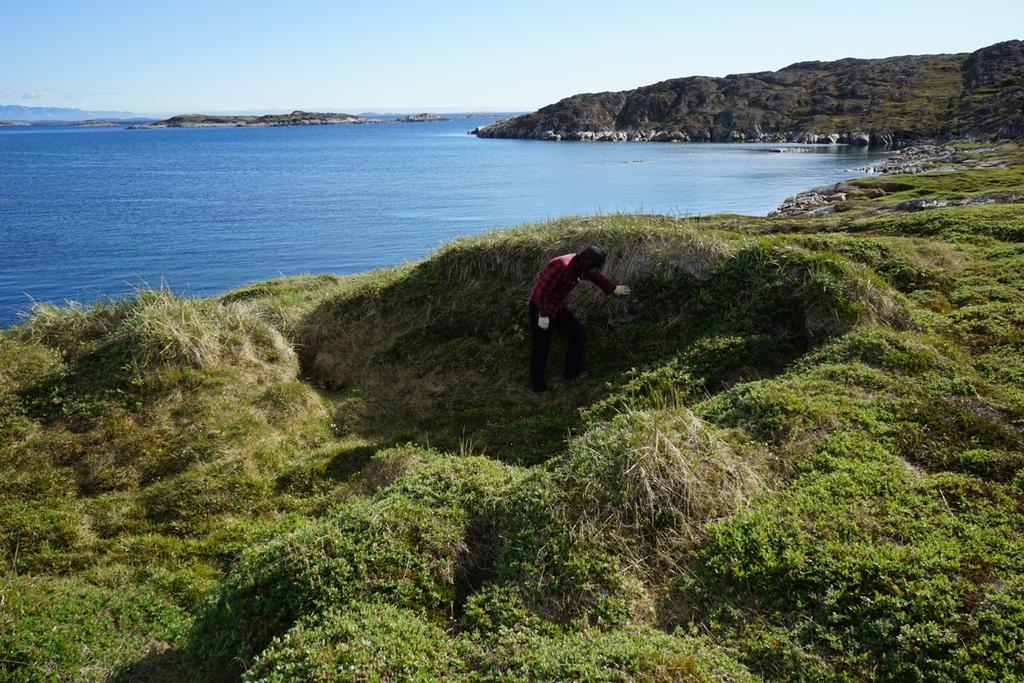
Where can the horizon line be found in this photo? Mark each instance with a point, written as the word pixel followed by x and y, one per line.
pixel 253 111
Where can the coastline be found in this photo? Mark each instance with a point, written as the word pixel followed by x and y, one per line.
pixel 852 138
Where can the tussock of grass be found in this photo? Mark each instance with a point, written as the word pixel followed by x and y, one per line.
pixel 21 363
pixel 833 292
pixel 640 249
pixel 160 329
pixel 656 479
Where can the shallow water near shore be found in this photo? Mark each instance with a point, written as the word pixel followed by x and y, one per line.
pixel 87 213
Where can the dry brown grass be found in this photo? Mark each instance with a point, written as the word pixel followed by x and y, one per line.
pixel 158 328
pixel 635 248
pixel 839 294
pixel 655 479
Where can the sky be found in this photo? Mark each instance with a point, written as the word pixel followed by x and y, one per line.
pixel 322 55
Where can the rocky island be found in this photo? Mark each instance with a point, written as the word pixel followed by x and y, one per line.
pixel 296 118
pixel 853 101
pixel 422 118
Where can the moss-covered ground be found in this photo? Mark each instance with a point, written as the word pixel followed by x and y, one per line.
pixel 797 455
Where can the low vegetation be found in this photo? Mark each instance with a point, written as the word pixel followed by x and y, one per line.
pixel 798 455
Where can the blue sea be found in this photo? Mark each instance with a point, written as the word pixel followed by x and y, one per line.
pixel 87 213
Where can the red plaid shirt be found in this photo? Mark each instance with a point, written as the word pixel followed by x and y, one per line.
pixel 558 279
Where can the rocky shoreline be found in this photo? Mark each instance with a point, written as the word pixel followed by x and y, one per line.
pixel 499 129
pixel 822 200
pixel 917 159
pixel 827 199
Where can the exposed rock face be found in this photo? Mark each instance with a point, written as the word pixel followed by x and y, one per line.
pixel 850 101
pixel 993 96
pixel 296 118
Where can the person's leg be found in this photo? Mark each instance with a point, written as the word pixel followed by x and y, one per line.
pixel 539 350
pixel 567 324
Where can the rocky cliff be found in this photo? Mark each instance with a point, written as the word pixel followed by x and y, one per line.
pixel 855 101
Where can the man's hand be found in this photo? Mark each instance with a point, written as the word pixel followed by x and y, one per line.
pixel 621 290
pixel 543 322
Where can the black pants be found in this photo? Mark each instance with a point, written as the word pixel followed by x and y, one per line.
pixel 566 323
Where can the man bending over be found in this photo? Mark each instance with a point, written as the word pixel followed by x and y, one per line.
pixel 548 312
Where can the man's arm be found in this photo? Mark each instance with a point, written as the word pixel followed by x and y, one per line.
pixel 606 285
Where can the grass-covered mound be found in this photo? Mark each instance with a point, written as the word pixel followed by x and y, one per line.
pixel 798 455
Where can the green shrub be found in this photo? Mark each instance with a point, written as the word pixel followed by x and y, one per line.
pixel 994 645
pixel 362 642
pixel 704 365
pixel 992 323
pixel 917 394
pixel 68 629
pixel 408 547
pixel 498 609
pixel 404 553
pixel 875 567
pixel 1003 221
pixel 634 654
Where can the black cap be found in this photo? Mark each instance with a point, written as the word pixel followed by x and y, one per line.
pixel 592 256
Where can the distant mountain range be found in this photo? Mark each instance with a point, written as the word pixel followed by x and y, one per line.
pixel 13 112
pixel 855 101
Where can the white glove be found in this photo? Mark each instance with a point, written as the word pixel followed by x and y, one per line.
pixel 621 290
pixel 543 322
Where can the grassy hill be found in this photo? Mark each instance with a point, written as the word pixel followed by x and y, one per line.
pixel 798 455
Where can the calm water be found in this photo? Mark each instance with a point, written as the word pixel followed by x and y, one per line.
pixel 95 212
